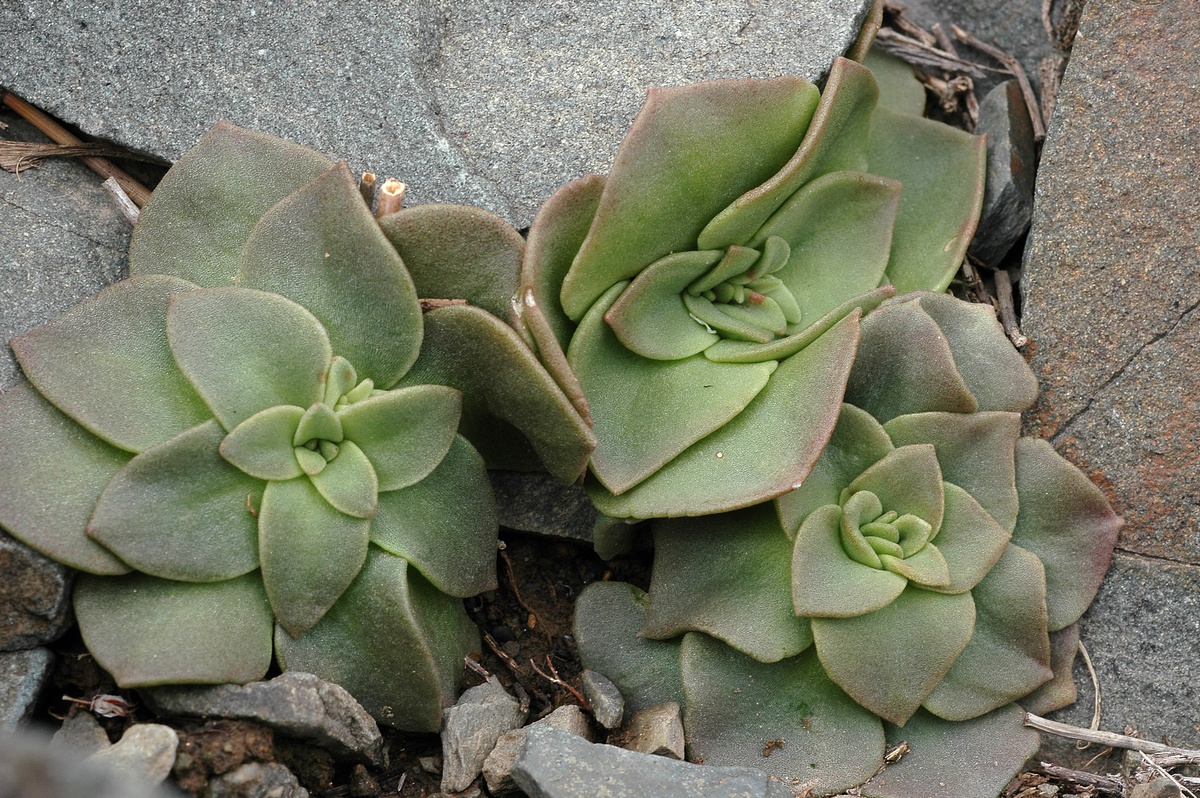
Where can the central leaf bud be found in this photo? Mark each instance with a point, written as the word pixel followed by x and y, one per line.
pixel 871 535
pixel 316 438
pixel 739 297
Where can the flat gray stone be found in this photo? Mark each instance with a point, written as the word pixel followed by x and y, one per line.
pixel 257 780
pixel 1112 271
pixel 1011 163
pixel 299 705
pixel 497 768
pixel 145 751
pixel 30 766
pixel 489 103
pixel 22 675
pixel 34 597
pixel 539 503
pixel 61 240
pixel 470 730
pixel 557 764
pixel 606 701
pixel 81 734
pixel 1141 634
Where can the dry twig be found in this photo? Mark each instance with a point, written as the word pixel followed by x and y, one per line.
pixel 554 678
pixel 17 156
pixel 1014 66
pixel 1008 311
pixel 389 198
pixel 1110 785
pixel 920 54
pixel 101 166
pixel 124 203
pixel 1106 738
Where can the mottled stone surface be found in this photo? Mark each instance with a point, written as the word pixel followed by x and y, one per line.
pixel 497 768
pixel 35 597
pixel 257 780
pixel 491 103
pixel 1141 634
pixel 1111 274
pixel 22 675
pixel 539 503
pixel 470 730
pixel 297 704
pixel 145 751
pixel 61 240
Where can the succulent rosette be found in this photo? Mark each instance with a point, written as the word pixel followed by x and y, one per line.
pixel 234 446
pixel 928 574
pixel 703 301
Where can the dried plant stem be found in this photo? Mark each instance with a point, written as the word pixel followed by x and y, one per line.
pixel 101 166
pixel 1014 66
pixel 128 209
pixel 1008 311
pixel 1050 73
pixel 921 54
pixel 366 187
pixel 389 198
pixel 1105 738
pixel 1105 784
pixel 555 679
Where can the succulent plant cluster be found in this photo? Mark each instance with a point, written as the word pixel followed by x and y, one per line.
pixel 262 445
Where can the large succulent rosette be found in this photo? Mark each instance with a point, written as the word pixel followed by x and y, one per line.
pixel 928 574
pixel 703 301
pixel 241 449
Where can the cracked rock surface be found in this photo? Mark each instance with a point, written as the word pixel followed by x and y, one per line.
pixel 488 103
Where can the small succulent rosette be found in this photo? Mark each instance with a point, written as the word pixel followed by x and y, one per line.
pixel 239 446
pixel 704 300
pixel 928 574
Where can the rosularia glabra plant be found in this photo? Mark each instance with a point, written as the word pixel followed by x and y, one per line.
pixel 704 300
pixel 234 446
pixel 928 574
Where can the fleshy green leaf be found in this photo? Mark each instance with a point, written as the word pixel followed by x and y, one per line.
pixel 246 350
pixel 110 355
pixel 405 433
pixel 262 446
pixel 646 412
pixel 651 319
pixel 310 552
pixel 321 248
pixel 318 423
pixel 899 89
pixel 908 480
pixel 996 373
pixel 765 451
pixel 975 452
pixel 180 511
pixel 969 539
pixel 44 455
pixel 942 170
pixel 1060 691
pixel 834 141
pixel 858 442
pixel 1066 521
pixel 554 237
pixel 608 619
pixel 348 482
pixel 1009 654
pixel 504 389
pixel 393 640
pixel 726 575
pixel 966 759
pixel 445 525
pixel 690 152
pixel 203 210
pixel 890 660
pixel 839 227
pixel 736 706
pixel 147 631
pixel 458 252
pixel 826 582
pixel 905 365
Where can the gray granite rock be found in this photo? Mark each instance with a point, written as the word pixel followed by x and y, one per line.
pixel 1011 164
pixel 539 503
pixel 1112 270
pixel 145 751
pixel 657 730
pixel 81 734
pixel 299 705
pixel 497 768
pixel 491 103
pixel 606 701
pixel 1166 787
pixel 256 780
pixel 61 240
pixel 34 597
pixel 470 730
pixel 29 767
pixel 1141 634
pixel 557 764
pixel 22 675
